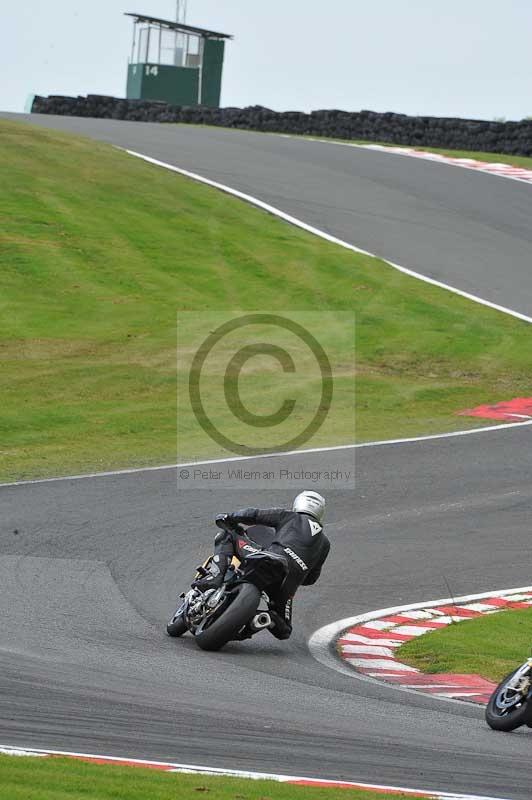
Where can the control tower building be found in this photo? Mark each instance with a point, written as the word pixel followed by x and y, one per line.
pixel 177 63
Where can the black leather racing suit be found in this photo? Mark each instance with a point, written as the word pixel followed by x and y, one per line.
pixel 299 539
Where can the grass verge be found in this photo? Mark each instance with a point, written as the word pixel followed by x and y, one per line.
pixel 490 646
pixel 99 251
pixel 33 778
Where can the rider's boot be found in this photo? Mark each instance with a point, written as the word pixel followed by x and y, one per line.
pixel 215 574
pixel 281 628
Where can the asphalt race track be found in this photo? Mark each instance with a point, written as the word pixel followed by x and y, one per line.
pixel 89 568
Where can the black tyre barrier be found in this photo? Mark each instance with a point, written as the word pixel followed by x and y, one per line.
pixel 514 138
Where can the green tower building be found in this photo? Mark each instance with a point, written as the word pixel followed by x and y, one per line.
pixel 177 63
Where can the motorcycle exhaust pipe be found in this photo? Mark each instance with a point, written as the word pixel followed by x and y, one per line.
pixel 260 621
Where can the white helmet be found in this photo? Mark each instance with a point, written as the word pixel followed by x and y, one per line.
pixel 310 503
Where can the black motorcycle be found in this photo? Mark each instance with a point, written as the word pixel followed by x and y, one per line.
pixel 510 705
pixel 240 607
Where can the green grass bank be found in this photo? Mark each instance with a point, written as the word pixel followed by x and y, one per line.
pixel 491 646
pixel 99 251
pixel 33 778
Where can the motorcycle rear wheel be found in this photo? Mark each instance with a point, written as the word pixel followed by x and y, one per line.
pixel 225 627
pixel 506 718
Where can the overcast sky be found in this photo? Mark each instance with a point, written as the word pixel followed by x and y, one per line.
pixel 465 58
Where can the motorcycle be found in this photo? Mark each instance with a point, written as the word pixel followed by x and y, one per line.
pixel 239 609
pixel 510 705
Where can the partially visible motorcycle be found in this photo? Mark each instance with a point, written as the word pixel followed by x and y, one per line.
pixel 240 607
pixel 510 705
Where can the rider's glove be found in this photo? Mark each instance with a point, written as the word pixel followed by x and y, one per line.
pixel 228 520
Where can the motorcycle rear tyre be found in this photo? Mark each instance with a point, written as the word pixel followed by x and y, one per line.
pixel 223 629
pixel 509 722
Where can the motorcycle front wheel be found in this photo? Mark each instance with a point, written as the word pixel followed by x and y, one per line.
pixel 177 625
pixel 507 708
pixel 212 635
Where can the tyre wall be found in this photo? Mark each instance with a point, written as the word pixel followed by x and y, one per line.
pixel 514 138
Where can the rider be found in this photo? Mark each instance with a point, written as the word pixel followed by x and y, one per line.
pixel 299 540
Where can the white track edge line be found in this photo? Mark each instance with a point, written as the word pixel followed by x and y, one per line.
pixel 281 454
pixel 201 770
pixel 321 640
pixel 323 235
